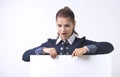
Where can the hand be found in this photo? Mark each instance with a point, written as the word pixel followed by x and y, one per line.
pixel 51 51
pixel 79 51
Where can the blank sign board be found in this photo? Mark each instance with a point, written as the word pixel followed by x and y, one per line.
pixel 66 66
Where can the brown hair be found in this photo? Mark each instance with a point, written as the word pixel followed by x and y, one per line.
pixel 66 12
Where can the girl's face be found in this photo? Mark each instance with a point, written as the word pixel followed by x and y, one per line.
pixel 65 27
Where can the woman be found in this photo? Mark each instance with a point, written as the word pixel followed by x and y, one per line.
pixel 67 42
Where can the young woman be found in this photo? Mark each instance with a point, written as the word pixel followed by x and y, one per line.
pixel 67 42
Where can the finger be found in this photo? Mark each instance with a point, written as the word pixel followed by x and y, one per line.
pixel 53 54
pixel 73 54
pixel 76 53
pixel 79 54
pixel 50 52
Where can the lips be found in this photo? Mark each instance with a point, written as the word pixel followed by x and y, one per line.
pixel 64 33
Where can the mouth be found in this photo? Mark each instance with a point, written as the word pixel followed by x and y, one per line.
pixel 64 34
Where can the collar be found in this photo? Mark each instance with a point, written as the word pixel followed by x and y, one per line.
pixel 70 39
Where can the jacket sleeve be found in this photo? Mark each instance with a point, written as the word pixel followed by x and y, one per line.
pixel 35 51
pixel 102 47
pixel 26 55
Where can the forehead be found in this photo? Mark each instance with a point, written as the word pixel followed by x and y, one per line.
pixel 63 20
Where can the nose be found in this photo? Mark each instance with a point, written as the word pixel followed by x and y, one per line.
pixel 63 29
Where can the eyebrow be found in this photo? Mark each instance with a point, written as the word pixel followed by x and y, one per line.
pixel 64 24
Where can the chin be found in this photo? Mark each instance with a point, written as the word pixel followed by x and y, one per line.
pixel 64 38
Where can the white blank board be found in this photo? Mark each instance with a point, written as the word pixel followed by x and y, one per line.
pixel 66 66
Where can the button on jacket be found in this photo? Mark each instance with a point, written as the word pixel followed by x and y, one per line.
pixel 68 46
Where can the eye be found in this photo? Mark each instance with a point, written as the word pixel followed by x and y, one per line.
pixel 59 25
pixel 67 25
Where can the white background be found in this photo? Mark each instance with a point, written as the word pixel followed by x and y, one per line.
pixel 25 24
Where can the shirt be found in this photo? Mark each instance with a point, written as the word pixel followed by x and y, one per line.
pixel 73 42
pixel 90 48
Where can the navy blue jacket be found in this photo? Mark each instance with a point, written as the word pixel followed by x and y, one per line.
pixel 102 47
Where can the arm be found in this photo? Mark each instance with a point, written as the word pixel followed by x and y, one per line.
pixel 99 47
pixel 35 51
pixel 26 55
pixel 92 48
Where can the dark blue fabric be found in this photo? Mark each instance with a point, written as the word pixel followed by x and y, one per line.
pixel 102 47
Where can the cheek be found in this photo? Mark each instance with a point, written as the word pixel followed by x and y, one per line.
pixel 58 30
pixel 69 30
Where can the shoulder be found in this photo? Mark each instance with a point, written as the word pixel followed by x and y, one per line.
pixel 85 41
pixel 82 39
pixel 51 41
pixel 79 41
